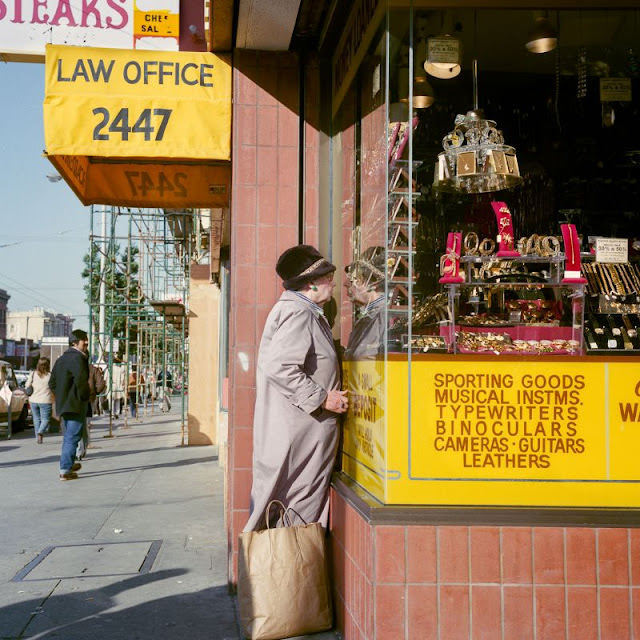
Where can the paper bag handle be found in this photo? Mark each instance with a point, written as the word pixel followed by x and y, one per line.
pixel 284 514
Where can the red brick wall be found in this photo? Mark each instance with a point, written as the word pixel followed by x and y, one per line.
pixel 483 582
pixel 264 222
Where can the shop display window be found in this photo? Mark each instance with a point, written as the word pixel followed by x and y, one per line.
pixel 552 136
pixel 487 197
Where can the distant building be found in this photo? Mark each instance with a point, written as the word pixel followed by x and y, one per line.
pixel 37 324
pixel 53 347
pixel 4 299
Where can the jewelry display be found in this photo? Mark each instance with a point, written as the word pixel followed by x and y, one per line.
pixel 615 283
pixel 471 244
pixel 487 247
pixel 502 343
pixel 532 245
pixel 450 261
pixel 611 331
pixel 572 267
pixel 505 236
pixel 631 330
pixel 591 341
pixel 615 329
pixel 427 343
pixel 626 339
pixel 550 246
pixel 522 245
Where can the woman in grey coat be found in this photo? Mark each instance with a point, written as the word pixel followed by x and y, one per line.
pixel 298 396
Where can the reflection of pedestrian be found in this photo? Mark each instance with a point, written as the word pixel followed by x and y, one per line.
pixel 41 400
pixel 164 382
pixel 70 384
pixel 365 286
pixel 295 433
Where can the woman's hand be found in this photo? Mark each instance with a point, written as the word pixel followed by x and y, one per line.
pixel 336 401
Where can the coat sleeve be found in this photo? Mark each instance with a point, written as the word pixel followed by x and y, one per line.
pixel 285 359
pixel 81 375
pixel 52 378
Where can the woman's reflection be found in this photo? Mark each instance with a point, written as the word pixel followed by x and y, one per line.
pixel 365 288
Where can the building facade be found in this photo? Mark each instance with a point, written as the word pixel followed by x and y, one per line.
pixel 4 300
pixel 443 559
pixel 37 323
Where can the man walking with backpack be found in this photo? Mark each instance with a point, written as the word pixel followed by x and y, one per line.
pixel 70 384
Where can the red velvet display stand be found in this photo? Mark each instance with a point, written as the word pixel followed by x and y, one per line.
pixel 505 231
pixel 450 262
pixel 572 263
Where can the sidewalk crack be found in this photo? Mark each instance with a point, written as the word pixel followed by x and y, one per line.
pixel 38 610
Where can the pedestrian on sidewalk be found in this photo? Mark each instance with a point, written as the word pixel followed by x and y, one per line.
pixel 116 382
pixel 298 396
pixel 97 385
pixel 132 388
pixel 41 398
pixel 70 384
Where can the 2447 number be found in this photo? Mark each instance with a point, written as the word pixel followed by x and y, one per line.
pixel 147 123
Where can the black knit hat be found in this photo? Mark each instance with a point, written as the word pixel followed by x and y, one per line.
pixel 301 264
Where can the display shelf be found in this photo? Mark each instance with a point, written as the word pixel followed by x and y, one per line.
pixel 402 221
pixel 509 315
pixel 612 333
pixel 513 266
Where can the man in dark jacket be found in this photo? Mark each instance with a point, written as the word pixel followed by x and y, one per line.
pixel 70 384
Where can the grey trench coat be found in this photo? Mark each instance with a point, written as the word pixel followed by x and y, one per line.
pixel 294 439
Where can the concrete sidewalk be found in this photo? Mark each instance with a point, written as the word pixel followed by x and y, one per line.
pixel 135 548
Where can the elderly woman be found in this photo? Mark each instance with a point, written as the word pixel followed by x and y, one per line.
pixel 298 396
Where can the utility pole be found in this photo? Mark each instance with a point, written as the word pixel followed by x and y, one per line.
pixel 26 345
pixel 102 289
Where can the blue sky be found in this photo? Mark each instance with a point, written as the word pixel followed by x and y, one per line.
pixel 44 227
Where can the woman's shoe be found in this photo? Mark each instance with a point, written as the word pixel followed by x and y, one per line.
pixel 40 438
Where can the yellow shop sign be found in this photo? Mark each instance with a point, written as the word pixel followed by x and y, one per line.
pixel 122 103
pixel 139 128
pixel 531 433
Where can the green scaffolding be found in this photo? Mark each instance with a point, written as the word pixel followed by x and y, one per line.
pixel 140 314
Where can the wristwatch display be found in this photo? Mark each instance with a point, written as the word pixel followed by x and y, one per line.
pixel 612 332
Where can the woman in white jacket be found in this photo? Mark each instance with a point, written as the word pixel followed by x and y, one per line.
pixel 41 400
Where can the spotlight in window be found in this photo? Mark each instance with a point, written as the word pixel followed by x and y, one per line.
pixel 542 36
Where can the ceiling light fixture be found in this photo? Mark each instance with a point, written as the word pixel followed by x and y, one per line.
pixel 423 95
pixel 444 57
pixel 542 36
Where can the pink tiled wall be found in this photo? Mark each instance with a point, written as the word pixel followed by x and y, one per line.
pixel 483 582
pixel 264 222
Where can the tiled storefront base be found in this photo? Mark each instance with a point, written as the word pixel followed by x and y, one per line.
pixel 404 580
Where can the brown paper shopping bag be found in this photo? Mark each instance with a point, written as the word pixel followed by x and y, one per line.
pixel 283 587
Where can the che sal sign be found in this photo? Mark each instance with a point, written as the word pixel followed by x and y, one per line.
pixel 107 102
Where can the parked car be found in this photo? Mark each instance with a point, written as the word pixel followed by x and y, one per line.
pixel 19 399
pixel 21 376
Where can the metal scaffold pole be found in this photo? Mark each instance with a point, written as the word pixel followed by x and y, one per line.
pixel 139 266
